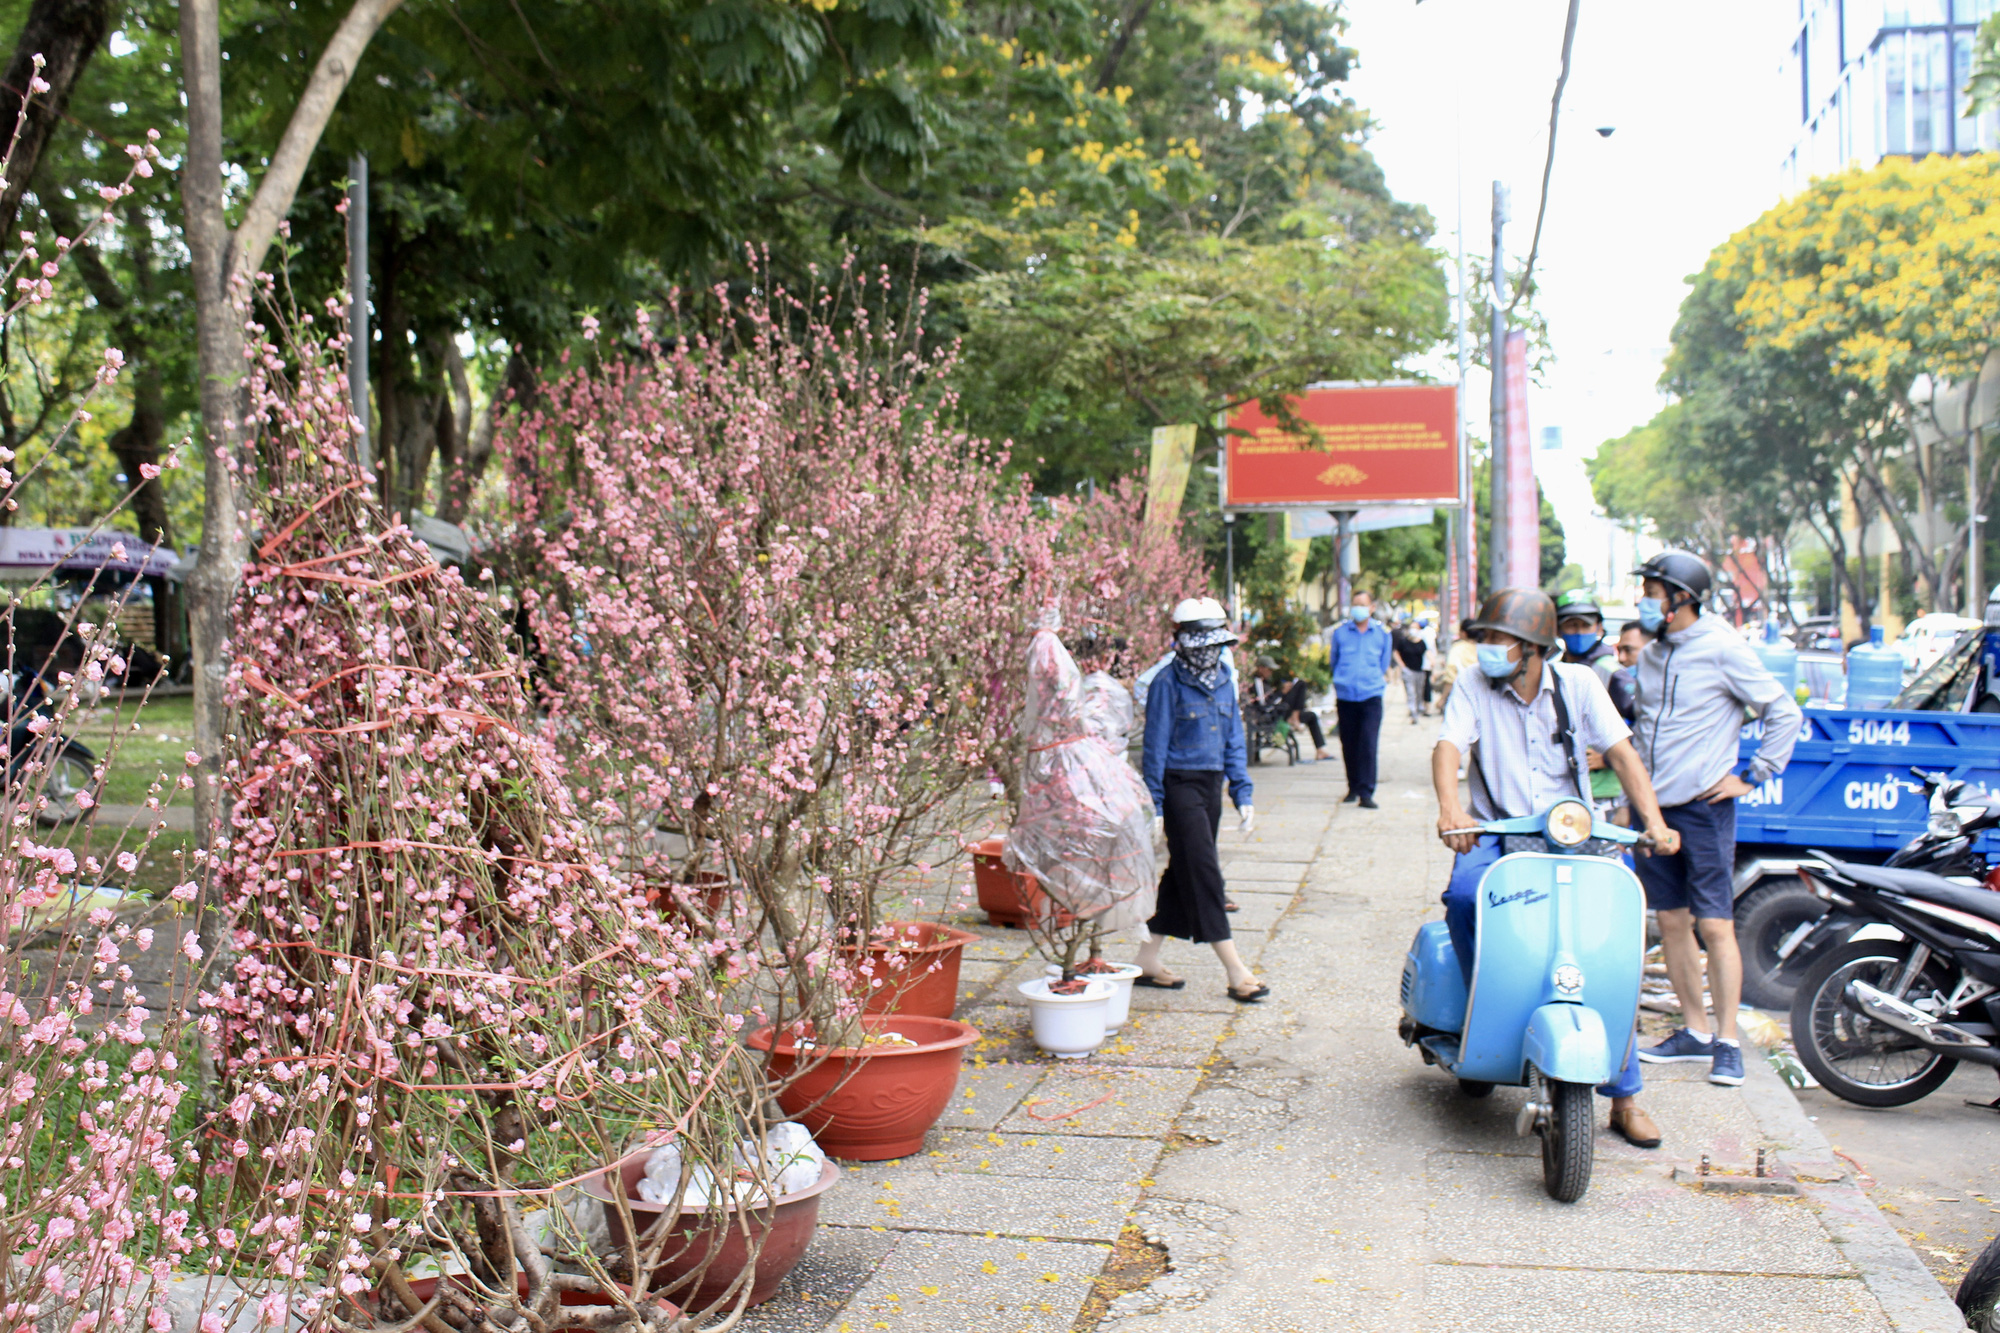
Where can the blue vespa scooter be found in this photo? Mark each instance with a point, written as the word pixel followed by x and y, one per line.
pixel 1555 982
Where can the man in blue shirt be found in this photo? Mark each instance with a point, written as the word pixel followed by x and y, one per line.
pixel 1359 651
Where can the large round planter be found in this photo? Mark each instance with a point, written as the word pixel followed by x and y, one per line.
pixel 1068 1026
pixel 778 1236
pixel 914 968
pixel 874 1103
pixel 1121 979
pixel 1009 897
pixel 424 1288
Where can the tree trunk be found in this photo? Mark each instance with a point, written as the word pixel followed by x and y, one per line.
pixel 65 33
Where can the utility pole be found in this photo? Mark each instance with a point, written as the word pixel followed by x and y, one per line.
pixel 1496 357
pixel 1229 564
pixel 1461 526
pixel 357 310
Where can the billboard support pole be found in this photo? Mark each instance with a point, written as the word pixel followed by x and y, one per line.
pixel 1496 455
pixel 1229 565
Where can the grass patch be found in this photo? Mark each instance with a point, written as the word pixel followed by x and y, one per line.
pixel 165 731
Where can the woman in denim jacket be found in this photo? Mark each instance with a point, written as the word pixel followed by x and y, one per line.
pixel 1194 739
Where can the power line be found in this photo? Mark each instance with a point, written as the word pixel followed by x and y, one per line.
pixel 1527 283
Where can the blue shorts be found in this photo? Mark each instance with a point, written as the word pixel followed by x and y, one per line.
pixel 1701 876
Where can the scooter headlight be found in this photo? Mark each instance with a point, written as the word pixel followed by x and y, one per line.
pixel 1569 824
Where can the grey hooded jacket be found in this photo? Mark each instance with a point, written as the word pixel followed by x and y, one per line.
pixel 1693 688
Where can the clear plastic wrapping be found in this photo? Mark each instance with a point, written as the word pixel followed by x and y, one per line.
pixel 1085 827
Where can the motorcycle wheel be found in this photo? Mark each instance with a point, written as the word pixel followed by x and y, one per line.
pixel 1569 1141
pixel 70 773
pixel 1472 1087
pixel 1979 1292
pixel 1854 1057
pixel 1764 917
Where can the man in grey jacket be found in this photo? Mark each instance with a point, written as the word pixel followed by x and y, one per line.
pixel 1696 681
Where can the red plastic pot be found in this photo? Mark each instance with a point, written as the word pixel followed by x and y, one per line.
pixel 1009 897
pixel 878 1102
pixel 914 969
pixel 423 1288
pixel 778 1236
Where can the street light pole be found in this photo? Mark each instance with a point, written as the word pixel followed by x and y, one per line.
pixel 1229 565
pixel 1496 452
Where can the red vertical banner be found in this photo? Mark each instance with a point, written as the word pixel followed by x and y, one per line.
pixel 1523 519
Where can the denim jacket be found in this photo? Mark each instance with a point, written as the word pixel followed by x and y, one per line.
pixel 1188 727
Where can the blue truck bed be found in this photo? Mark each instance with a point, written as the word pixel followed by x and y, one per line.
pixel 1849 782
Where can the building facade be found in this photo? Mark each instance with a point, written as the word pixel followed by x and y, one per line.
pixel 1871 79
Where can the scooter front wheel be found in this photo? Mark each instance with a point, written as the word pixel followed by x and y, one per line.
pixel 1569 1141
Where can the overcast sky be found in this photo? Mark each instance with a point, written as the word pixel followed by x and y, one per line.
pixel 1459 91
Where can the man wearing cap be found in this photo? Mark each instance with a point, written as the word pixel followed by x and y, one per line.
pixel 1697 678
pixel 1580 621
pixel 1359 653
pixel 1511 718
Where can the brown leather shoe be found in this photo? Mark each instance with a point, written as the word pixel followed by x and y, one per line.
pixel 1635 1127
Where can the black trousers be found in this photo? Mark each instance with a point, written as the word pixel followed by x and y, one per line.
pixel 1360 732
pixel 1191 896
pixel 1311 719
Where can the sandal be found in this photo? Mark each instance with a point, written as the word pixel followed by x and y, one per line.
pixel 1228 905
pixel 1159 980
pixel 1250 996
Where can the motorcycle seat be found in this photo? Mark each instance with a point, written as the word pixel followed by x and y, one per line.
pixel 1982 903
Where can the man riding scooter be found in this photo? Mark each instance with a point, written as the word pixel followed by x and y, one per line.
pixel 1526 725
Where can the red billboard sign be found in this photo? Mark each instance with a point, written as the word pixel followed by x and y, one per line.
pixel 1369 445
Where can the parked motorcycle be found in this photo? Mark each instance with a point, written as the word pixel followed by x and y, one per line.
pixel 59 769
pixel 1884 1021
pixel 1555 982
pixel 1979 1291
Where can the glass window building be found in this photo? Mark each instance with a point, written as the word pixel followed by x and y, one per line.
pixel 1882 78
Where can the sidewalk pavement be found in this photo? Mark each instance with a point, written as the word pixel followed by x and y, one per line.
pixel 1218 1168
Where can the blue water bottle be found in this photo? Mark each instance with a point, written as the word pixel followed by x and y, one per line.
pixel 1779 658
pixel 1874 673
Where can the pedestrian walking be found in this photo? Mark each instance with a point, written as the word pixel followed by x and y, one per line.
pixel 1525 721
pixel 1696 678
pixel 1413 660
pixel 1359 652
pixel 1193 744
pixel 1462 653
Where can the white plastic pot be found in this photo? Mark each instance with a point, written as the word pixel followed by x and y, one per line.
pixel 1121 990
pixel 1069 1026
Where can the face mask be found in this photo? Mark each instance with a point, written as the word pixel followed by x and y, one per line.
pixel 1494 661
pixel 1358 614
pixel 1652 614
pixel 1579 644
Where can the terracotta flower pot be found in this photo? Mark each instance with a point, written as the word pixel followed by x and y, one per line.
pixel 914 968
pixel 423 1288
pixel 877 1102
pixel 1009 897
pixel 784 1232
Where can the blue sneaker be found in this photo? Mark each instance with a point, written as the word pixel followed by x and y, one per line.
pixel 1681 1046
pixel 1728 1066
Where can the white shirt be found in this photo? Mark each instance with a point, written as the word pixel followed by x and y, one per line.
pixel 1513 744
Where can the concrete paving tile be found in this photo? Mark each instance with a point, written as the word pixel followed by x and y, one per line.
pixel 987 1092
pixel 1184 1039
pixel 1203 992
pixel 1138 1102
pixel 914 1197
pixel 1501 1300
pixel 1003 946
pixel 1256 911
pixel 840 1262
pixel 1487 1209
pixel 1003 1033
pixel 969 1284
pixel 1052 1154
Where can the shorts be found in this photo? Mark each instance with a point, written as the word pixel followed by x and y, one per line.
pixel 1701 876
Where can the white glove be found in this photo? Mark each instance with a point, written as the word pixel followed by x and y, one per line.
pixel 1246 818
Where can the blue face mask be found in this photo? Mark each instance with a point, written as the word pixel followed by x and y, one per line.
pixel 1358 614
pixel 1652 614
pixel 1494 661
pixel 1579 644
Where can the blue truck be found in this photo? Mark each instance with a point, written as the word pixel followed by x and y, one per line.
pixel 1848 789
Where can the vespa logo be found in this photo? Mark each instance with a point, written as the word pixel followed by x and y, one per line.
pixel 1882 795
pixel 1523 896
pixel 1771 791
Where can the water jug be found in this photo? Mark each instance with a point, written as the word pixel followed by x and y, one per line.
pixel 1874 673
pixel 1779 657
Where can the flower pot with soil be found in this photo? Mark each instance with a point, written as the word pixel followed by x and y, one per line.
pixel 912 968
pixel 1121 977
pixel 704 1257
pixel 1008 897
pixel 1068 1017
pixel 876 1101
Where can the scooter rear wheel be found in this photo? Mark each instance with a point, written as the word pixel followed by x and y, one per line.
pixel 1569 1141
pixel 1979 1291
pixel 1473 1087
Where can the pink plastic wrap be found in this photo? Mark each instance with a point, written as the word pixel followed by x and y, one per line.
pixel 1085 828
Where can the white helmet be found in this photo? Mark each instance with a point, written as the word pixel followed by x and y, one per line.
pixel 1201 621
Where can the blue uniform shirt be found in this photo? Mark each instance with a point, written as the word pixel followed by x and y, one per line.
pixel 1359 656
pixel 1196 729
